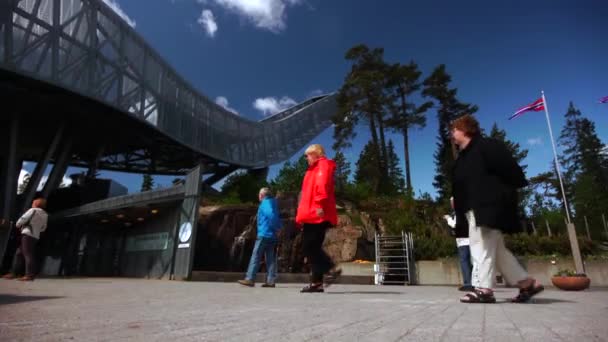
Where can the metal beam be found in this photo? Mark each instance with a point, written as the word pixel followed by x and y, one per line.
pixel 59 168
pixel 11 176
pixel 41 165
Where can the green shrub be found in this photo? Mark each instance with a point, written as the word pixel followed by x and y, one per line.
pixel 524 245
pixel 434 247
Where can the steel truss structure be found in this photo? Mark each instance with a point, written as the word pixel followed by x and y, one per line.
pixel 85 48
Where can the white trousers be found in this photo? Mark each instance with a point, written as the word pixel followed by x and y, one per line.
pixel 489 254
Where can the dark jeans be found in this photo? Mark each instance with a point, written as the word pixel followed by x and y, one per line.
pixel 25 252
pixel 312 246
pixel 464 254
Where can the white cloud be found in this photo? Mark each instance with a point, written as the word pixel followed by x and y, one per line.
pixel 535 141
pixel 222 101
pixel 316 92
pixel 66 181
pixel 265 14
pixel 270 105
pixel 113 4
pixel 207 21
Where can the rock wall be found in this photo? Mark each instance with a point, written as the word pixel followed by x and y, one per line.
pixel 226 235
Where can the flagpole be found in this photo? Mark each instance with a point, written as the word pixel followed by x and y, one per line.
pixel 559 174
pixel 576 252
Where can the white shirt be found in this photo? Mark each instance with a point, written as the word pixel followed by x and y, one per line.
pixel 452 223
pixel 33 222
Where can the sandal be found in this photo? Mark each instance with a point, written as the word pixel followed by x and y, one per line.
pixel 478 296
pixel 527 293
pixel 312 288
pixel 332 277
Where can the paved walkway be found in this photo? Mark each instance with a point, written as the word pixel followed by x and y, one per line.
pixel 102 309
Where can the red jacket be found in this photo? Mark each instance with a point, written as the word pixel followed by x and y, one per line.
pixel 318 192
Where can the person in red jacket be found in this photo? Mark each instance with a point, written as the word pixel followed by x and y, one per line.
pixel 316 213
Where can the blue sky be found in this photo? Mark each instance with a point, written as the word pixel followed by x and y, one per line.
pixel 257 56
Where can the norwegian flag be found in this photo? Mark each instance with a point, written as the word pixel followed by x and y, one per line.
pixel 535 106
pixel 604 99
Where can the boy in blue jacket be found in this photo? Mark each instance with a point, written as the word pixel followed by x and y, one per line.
pixel 269 224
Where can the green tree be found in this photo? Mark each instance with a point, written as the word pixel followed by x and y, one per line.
pixel 585 171
pixel 403 82
pixel 244 186
pixel 437 87
pixel 570 158
pixel 290 176
pixel 361 99
pixel 342 172
pixel 147 182
pixel 366 170
pixel 518 153
pixel 590 191
pixel 395 174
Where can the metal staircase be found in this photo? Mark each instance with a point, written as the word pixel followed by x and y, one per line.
pixel 394 259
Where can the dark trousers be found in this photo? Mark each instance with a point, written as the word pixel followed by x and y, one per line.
pixel 25 253
pixel 464 254
pixel 312 246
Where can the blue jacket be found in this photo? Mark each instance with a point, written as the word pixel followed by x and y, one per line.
pixel 269 221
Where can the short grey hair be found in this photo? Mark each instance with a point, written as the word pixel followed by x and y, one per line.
pixel 265 192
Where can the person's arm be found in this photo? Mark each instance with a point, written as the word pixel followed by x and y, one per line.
pixel 321 190
pixel 25 218
pixel 44 224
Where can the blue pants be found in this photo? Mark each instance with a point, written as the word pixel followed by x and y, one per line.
pixel 263 247
pixel 464 254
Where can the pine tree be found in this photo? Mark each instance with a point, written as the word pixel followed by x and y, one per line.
pixel 395 173
pixel 361 99
pixel 570 158
pixel 290 176
pixel 147 182
pixel 516 151
pixel 436 86
pixel 366 170
pixel 244 186
pixel 342 171
pixel 403 81
pixel 590 190
pixel 519 154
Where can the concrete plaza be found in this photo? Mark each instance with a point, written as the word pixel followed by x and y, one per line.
pixel 111 309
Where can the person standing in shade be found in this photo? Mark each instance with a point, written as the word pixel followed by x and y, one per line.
pixel 316 213
pixel 31 224
pixel 269 224
pixel 464 253
pixel 485 182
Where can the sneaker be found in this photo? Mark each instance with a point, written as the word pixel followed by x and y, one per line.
pixel 9 276
pixel 268 285
pixel 246 282
pixel 312 288
pixel 26 278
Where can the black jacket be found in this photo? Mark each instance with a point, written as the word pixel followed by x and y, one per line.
pixel 485 179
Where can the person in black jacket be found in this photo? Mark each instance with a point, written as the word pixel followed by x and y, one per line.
pixel 485 182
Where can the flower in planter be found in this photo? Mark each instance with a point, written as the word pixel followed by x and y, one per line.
pixel 568 273
pixel 569 280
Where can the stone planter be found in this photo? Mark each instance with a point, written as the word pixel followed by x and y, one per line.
pixel 571 283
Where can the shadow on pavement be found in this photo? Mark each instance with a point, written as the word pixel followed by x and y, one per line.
pixel 548 301
pixel 537 301
pixel 365 292
pixel 12 299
